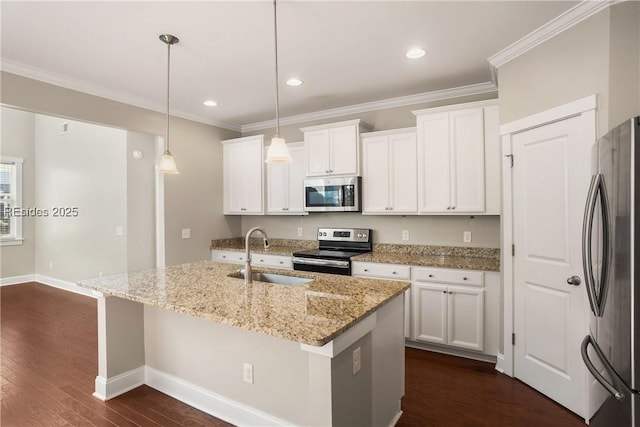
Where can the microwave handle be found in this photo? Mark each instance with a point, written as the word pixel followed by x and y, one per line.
pixel 341 194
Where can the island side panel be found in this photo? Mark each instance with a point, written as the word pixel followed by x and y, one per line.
pixel 201 362
pixel 388 363
pixel 121 355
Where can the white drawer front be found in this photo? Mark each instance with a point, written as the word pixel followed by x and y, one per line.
pixel 383 271
pixel 441 275
pixel 274 261
pixel 227 256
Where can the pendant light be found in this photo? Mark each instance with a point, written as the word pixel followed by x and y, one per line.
pixel 278 151
pixel 167 163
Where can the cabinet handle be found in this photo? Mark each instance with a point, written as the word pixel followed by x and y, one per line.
pixel 285 209
pixel 261 260
pixel 453 207
pixel 390 208
pixel 366 269
pixel 450 293
pixel 281 262
pixel 448 208
pixel 243 209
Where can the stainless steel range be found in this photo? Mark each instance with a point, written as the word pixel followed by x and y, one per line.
pixel 336 246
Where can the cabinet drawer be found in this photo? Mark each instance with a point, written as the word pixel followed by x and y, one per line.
pixel 227 256
pixel 383 271
pixel 274 261
pixel 441 275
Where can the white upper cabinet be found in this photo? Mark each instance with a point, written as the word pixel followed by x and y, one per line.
pixel 243 172
pixel 333 149
pixel 285 181
pixel 458 158
pixel 390 172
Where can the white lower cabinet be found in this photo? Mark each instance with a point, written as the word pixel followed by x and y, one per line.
pixel 448 307
pixel 257 259
pixel 389 272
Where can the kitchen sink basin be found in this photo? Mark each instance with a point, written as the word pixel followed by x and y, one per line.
pixel 278 279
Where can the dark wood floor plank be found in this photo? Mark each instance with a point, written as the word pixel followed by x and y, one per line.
pixel 49 362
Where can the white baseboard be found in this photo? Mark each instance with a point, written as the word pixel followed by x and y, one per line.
pixel 6 281
pixel 205 400
pixel 396 419
pixel 109 388
pixel 500 363
pixel 64 285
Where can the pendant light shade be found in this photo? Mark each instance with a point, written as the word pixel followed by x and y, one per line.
pixel 278 151
pixel 167 163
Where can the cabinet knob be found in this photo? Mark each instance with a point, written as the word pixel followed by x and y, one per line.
pixel 450 292
pixel 431 275
pixel 261 260
pixel 224 256
pixel 281 262
pixel 444 292
pixel 393 272
pixel 464 278
pixel 285 209
pixel 448 208
pixel 453 207
pixel 366 269
pixel 243 209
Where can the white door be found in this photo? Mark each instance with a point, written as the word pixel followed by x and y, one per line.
pixel 433 163
pixel 376 174
pixel 465 317
pixel 551 176
pixel 252 169
pixel 316 145
pixel 277 187
pixel 343 155
pixel 403 177
pixel 429 312
pixel 467 160
pixel 296 178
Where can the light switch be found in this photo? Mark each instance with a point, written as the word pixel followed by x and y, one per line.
pixel 186 233
pixel 119 231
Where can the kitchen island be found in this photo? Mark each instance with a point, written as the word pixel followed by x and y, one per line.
pixel 329 352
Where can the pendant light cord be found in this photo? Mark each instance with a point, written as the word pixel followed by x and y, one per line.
pixel 168 80
pixel 275 27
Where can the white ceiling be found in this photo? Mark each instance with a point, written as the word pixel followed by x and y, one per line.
pixel 346 52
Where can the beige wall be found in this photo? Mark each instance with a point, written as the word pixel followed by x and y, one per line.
pixel 84 168
pixel 17 140
pixel 192 199
pixel 570 66
pixel 598 56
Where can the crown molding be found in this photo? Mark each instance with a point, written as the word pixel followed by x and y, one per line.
pixel 420 98
pixel 564 21
pixel 102 92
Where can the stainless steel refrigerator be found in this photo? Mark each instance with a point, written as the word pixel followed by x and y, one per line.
pixel 611 254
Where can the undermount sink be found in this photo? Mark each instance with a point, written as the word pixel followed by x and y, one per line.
pixel 278 279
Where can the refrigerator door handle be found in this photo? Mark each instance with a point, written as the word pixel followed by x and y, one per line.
pixel 602 380
pixel 596 299
pixel 587 234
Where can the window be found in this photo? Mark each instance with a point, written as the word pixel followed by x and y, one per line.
pixel 10 198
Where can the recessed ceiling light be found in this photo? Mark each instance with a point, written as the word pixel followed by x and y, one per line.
pixel 294 82
pixel 415 53
pixel 210 103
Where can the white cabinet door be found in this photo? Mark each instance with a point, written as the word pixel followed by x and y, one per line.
pixel 243 171
pixel 317 152
pixel 343 150
pixel 285 183
pixel 429 312
pixel 390 172
pixel 404 173
pixel 467 160
pixel 465 317
pixel 452 159
pixel 433 163
pixel 376 175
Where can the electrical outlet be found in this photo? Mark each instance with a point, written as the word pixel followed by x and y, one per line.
pixel 466 237
pixel 299 231
pixel 405 234
pixel 119 231
pixel 247 373
pixel 186 233
pixel 357 360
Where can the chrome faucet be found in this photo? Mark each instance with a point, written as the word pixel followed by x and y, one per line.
pixel 247 255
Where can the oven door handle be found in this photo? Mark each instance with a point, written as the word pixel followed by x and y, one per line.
pixel 321 262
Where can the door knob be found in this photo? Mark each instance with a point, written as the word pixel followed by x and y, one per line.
pixel 574 281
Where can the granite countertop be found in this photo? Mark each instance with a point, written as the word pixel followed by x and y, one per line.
pixel 276 246
pixel 314 313
pixel 485 259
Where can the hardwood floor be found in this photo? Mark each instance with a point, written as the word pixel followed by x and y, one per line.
pixel 49 363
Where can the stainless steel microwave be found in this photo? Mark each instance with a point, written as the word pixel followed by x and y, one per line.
pixel 339 194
